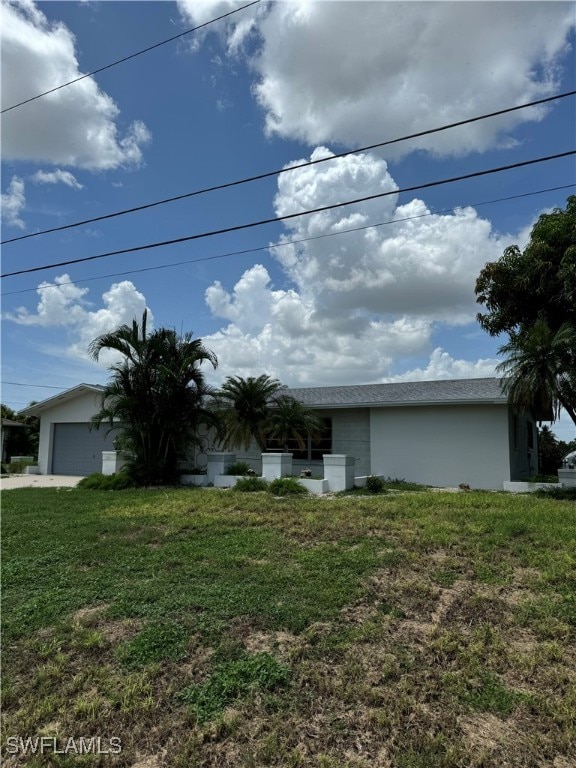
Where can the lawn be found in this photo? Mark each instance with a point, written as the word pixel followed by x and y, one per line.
pixel 188 628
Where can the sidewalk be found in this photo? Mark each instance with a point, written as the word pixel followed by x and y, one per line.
pixel 38 481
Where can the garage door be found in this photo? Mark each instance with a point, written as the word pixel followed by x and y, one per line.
pixel 77 450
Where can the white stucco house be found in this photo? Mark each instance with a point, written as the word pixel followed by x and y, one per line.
pixel 439 433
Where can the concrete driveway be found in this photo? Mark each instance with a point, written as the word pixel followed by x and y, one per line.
pixel 38 481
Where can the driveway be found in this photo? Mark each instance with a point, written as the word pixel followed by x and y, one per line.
pixel 38 481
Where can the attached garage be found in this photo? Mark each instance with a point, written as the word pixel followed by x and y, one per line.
pixel 77 449
pixel 69 445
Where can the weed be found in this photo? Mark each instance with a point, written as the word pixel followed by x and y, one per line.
pixel 157 642
pixel 251 485
pixel 286 486
pixel 99 482
pixel 232 680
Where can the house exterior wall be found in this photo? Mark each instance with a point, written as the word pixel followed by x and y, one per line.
pixel 442 445
pixel 81 409
pixel 351 435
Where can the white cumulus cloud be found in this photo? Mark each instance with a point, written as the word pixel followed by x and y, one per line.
pixel 364 303
pixel 57 177
pixel 362 72
pixel 65 305
pixel 13 201
pixel 75 126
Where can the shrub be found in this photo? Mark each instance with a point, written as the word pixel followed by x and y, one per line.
pixel 100 482
pixel 238 468
pixel 286 486
pixel 375 484
pixel 16 467
pixel 251 484
pixel 562 494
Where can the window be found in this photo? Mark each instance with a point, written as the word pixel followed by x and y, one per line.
pixel 314 449
pixel 530 435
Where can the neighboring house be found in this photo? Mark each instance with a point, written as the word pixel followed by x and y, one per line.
pixel 440 433
pixel 8 425
pixel 69 444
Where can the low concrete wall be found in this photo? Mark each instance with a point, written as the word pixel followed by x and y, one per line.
pixel 519 487
pixel 318 487
pixel 200 480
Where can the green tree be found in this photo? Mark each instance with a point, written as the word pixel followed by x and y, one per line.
pixel 538 282
pixel 21 442
pixel 531 296
pixel 550 452
pixel 291 420
pixel 157 394
pixel 246 409
pixel 539 375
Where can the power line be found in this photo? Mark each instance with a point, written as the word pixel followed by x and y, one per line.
pixel 131 56
pixel 279 171
pixel 289 242
pixel 19 384
pixel 239 227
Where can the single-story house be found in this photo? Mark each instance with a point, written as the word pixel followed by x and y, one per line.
pixel 439 433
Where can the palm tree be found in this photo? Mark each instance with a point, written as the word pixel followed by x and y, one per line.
pixel 540 370
pixel 246 409
pixel 291 420
pixel 157 394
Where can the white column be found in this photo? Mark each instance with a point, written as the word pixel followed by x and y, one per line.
pixel 218 463
pixel 276 465
pixel 339 471
pixel 112 462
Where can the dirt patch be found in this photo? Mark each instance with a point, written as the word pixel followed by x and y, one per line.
pixel 271 642
pixel 123 629
pixel 488 732
pixel 90 614
pixel 147 762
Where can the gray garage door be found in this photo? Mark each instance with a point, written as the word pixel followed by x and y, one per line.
pixel 77 450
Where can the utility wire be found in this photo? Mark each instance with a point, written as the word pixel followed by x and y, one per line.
pixel 239 227
pixel 131 56
pixel 279 171
pixel 288 242
pixel 19 384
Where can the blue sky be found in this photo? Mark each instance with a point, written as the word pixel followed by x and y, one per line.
pixel 274 84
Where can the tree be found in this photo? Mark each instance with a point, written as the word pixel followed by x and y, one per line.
pixel 246 409
pixel 157 394
pixel 21 441
pixel 531 296
pixel 258 409
pixel 291 420
pixel 550 453
pixel 538 372
pixel 539 282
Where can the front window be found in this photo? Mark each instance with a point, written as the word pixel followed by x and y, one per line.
pixel 314 449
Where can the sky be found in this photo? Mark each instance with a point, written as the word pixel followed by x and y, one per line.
pixel 274 85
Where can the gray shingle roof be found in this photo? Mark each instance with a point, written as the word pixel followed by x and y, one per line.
pixel 454 391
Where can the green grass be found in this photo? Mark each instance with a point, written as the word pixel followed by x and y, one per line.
pixel 209 628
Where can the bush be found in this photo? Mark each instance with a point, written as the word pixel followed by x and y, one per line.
pixel 238 468
pixel 100 482
pixel 16 467
pixel 561 494
pixel 251 484
pixel 286 486
pixel 375 484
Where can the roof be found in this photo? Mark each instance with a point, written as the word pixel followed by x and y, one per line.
pixel 12 423
pixel 448 392
pixel 62 397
